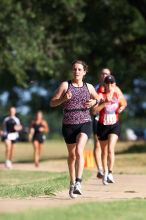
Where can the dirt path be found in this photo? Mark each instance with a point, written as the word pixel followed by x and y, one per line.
pixel 126 187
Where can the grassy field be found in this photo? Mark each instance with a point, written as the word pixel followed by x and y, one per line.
pixel 53 149
pixel 130 156
pixel 56 149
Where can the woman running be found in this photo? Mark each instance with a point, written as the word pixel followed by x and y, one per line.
pixel 77 97
pixel 10 135
pixel 38 127
pixel 108 128
pixel 97 148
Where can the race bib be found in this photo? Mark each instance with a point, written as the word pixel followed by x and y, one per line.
pixel 109 119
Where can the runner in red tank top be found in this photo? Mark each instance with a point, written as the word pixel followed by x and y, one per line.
pixel 97 148
pixel 108 128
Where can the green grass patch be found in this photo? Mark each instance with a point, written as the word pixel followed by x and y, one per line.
pixel 118 210
pixel 21 184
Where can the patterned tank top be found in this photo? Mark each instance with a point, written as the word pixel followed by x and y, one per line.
pixel 74 109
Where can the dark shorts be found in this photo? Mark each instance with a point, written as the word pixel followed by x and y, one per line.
pixel 104 130
pixel 94 124
pixel 70 132
pixel 39 137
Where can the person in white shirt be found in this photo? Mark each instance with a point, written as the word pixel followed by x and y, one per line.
pixel 10 134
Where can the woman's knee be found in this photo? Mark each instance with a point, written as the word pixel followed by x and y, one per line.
pixel 79 154
pixel 72 157
pixel 111 154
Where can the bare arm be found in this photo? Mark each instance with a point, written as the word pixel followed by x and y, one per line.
pixel 122 105
pixel 96 109
pixel 61 95
pixel 95 98
pixel 122 100
pixel 45 127
pixel 121 96
pixel 18 126
pixel 31 129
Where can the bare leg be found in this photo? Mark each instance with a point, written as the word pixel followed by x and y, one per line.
pixel 37 151
pixel 76 164
pixel 9 150
pixel 112 140
pixel 97 153
pixel 9 153
pixel 104 147
pixel 80 145
pixel 71 162
pixel 76 157
pixel 81 141
pixel 72 168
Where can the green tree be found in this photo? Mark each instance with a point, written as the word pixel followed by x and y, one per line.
pixel 39 39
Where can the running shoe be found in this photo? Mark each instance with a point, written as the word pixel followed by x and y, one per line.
pixel 110 178
pixel 77 188
pixel 8 164
pixel 100 174
pixel 104 179
pixel 71 191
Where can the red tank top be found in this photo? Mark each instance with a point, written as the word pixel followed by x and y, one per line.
pixel 109 114
pixel 100 89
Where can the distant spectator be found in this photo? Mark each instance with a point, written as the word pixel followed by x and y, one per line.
pixel 38 127
pixel 10 134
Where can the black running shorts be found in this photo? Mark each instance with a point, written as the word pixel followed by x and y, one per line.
pixel 70 132
pixel 104 130
pixel 39 137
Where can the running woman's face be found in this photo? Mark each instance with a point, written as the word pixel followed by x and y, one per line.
pixel 78 71
pixel 110 87
pixel 104 73
pixel 12 111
